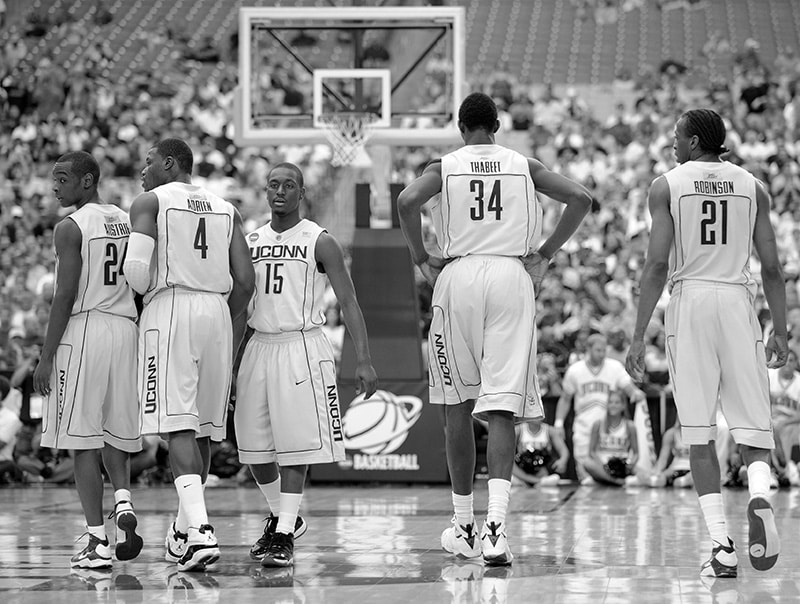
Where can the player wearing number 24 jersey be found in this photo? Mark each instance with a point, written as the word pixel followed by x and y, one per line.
pixel 188 256
pixel 708 216
pixel 482 339
pixel 87 367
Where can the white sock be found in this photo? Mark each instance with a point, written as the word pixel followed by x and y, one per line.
pixel 758 475
pixel 462 505
pixel 97 531
pixel 714 514
pixel 122 495
pixel 499 494
pixel 289 506
pixel 192 503
pixel 272 493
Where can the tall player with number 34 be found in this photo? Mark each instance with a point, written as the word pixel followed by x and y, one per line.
pixel 482 339
pixel 187 253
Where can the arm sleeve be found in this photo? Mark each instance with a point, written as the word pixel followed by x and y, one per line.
pixel 137 261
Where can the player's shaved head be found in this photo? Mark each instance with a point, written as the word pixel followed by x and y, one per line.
pixel 179 151
pixel 289 166
pixel 478 110
pixel 81 163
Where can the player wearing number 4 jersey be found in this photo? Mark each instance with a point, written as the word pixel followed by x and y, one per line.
pixel 708 215
pixel 87 368
pixel 287 405
pixel 482 338
pixel 187 253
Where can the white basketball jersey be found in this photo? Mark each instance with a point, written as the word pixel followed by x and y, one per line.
pixel 194 237
pixel 539 440
pixel 591 386
pixel 488 203
pixel 713 207
pixel 104 240
pixel 289 286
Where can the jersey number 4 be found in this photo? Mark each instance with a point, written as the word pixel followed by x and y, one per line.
pixel 495 205
pixel 711 224
pixel 200 238
pixel 113 263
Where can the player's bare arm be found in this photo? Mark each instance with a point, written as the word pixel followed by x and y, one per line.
pixel 654 274
pixel 578 201
pixel 772 278
pixel 144 232
pixel 67 239
pixel 244 279
pixel 409 205
pixel 329 254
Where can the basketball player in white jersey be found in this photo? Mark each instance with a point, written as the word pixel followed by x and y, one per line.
pixel 708 214
pixel 482 338
pixel 287 406
pixel 87 368
pixel 188 256
pixel 586 385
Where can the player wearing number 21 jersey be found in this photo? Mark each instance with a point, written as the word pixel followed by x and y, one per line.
pixel 482 340
pixel 708 217
pixel 188 256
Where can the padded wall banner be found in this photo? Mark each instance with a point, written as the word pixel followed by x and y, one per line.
pixel 394 436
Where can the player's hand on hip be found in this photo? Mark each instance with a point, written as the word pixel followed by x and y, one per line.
pixel 366 380
pixel 432 268
pixel 634 362
pixel 777 351
pixel 536 266
pixel 41 377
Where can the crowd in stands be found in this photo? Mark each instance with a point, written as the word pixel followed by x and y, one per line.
pixel 47 108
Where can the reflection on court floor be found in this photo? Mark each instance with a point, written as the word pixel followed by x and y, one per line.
pixel 381 544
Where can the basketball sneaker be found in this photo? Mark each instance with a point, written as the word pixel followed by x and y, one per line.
pixel 765 544
pixel 175 543
pixel 97 554
pixel 723 562
pixel 461 540
pixel 128 544
pixel 494 544
pixel 261 546
pixel 280 551
pixel 201 549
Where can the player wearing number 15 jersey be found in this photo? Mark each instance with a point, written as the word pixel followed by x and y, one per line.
pixel 482 340
pixel 287 405
pixel 708 215
pixel 187 254
pixel 87 367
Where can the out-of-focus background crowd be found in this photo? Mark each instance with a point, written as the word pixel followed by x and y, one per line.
pixel 111 78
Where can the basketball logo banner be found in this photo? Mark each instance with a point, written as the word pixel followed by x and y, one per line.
pixel 393 436
pixel 381 423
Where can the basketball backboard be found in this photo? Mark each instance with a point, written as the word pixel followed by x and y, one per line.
pixel 404 64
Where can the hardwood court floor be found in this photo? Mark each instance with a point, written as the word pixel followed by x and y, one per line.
pixel 381 544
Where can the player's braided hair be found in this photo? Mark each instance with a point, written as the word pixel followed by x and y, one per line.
pixel 708 126
pixel 478 111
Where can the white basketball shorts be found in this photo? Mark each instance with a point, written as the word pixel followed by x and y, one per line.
pixel 287 403
pixel 185 363
pixel 93 399
pixel 482 339
pixel 716 356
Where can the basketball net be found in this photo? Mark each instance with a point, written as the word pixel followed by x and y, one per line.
pixel 347 134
